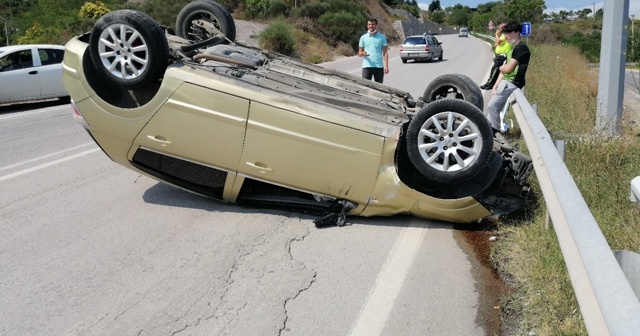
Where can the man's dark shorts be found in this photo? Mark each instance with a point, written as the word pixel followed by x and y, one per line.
pixel 376 73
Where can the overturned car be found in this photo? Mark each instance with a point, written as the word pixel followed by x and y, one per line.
pixel 240 124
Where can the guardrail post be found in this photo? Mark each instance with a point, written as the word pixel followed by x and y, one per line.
pixel 629 262
pixel 634 196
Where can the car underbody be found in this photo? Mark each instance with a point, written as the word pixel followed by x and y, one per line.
pixel 358 133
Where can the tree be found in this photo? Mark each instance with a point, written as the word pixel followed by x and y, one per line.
pixel 563 15
pixel 524 10
pixel 488 7
pixel 15 7
pixel 434 6
pixel 459 15
pixel 599 14
pixel 583 13
pixel 479 21
pixel 437 17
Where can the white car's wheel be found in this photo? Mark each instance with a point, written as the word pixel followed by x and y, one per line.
pixel 129 49
pixel 449 141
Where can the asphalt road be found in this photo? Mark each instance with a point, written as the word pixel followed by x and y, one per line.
pixel 91 248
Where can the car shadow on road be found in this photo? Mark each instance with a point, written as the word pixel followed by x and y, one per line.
pixel 163 194
pixel 167 195
pixel 28 106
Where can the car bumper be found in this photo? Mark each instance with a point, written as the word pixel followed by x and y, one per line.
pixel 417 55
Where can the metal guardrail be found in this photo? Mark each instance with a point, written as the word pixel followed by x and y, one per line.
pixel 606 299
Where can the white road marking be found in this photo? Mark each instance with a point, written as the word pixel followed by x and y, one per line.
pixel 375 312
pixel 46 156
pixel 49 164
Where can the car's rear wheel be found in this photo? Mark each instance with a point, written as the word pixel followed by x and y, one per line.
pixel 454 86
pixel 129 49
pixel 208 11
pixel 449 141
pixel 404 60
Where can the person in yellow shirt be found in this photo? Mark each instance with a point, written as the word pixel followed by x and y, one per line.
pixel 502 49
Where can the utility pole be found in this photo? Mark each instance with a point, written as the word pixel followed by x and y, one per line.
pixel 633 39
pixel 612 61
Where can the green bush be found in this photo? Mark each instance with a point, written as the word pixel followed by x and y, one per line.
pixel 37 35
pixel 278 37
pixel 589 44
pixel 312 10
pixel 257 8
pixel 93 10
pixel 278 8
pixel 342 26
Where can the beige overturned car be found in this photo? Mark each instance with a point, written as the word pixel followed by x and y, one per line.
pixel 243 125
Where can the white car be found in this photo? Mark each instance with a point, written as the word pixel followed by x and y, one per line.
pixel 31 72
pixel 464 32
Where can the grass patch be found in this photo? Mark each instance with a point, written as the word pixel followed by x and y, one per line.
pixel 528 256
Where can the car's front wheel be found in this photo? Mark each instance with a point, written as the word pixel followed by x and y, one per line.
pixel 449 141
pixel 129 49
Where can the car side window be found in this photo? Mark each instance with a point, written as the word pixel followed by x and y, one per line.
pixel 25 59
pixel 50 56
pixel 10 62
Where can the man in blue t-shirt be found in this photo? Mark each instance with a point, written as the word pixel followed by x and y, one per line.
pixel 373 47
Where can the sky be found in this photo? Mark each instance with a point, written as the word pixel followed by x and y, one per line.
pixel 552 5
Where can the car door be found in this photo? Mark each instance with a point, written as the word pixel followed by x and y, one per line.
pixel 435 45
pixel 199 125
pixel 18 83
pixel 310 154
pixel 48 65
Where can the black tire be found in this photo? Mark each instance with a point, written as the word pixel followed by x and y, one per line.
pixel 454 86
pixel 449 141
pixel 404 60
pixel 207 10
pixel 441 56
pixel 139 60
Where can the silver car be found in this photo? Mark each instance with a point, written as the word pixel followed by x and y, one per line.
pixel 464 32
pixel 31 72
pixel 421 48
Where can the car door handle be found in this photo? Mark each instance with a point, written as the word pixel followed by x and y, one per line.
pixel 34 72
pixel 260 166
pixel 162 140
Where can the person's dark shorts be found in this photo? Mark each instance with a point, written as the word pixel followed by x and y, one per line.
pixel 376 73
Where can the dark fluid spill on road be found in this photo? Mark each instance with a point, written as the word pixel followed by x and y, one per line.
pixel 474 241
